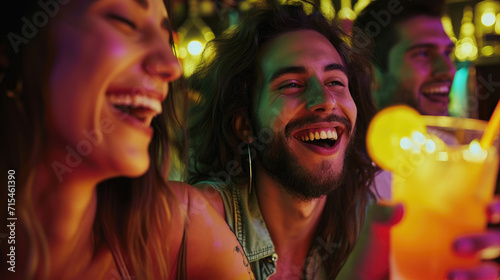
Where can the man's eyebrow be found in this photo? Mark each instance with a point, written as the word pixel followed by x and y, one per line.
pixel 421 46
pixel 287 70
pixel 427 45
pixel 335 66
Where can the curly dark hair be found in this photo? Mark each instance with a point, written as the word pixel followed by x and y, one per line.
pixel 226 80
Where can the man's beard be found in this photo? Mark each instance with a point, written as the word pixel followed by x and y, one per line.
pixel 285 169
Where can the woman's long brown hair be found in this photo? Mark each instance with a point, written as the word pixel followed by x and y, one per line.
pixel 134 211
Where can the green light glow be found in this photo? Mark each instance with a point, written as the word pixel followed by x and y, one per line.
pixel 458 93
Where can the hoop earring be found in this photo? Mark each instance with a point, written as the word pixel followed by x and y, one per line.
pixel 249 169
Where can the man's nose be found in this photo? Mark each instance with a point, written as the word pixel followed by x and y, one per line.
pixel 318 97
pixel 443 67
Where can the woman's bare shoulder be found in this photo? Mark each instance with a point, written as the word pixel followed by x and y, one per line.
pixel 189 197
pixel 213 249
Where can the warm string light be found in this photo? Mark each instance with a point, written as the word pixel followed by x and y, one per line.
pixel 194 34
pixel 346 11
pixel 487 18
pixel 346 15
pixel 466 48
pixel 448 27
pixel 327 9
pixel 360 5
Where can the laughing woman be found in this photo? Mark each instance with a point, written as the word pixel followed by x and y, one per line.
pixel 88 115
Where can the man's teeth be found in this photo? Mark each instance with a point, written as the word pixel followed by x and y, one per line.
pixel 136 101
pixel 322 134
pixel 436 90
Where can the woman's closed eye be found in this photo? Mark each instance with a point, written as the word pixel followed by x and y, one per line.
pixel 123 20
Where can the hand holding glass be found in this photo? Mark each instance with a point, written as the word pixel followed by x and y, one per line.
pixel 445 180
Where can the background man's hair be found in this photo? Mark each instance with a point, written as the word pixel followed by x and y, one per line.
pixel 374 30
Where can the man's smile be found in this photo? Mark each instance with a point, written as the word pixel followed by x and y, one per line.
pixel 325 137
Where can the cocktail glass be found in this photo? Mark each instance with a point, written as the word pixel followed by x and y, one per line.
pixel 445 182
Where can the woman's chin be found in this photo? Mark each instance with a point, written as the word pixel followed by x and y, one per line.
pixel 134 169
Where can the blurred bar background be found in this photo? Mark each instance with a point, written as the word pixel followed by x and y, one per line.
pixel 473 25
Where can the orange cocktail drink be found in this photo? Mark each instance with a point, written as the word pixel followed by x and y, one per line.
pixel 444 179
pixel 445 192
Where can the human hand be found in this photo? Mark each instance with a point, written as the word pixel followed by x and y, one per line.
pixel 486 245
pixel 370 257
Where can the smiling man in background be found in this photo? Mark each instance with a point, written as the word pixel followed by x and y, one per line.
pixel 410 53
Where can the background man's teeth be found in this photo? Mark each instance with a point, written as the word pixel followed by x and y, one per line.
pixel 334 134
pixel 316 135
pixel 323 134
pixel 307 137
pixel 311 136
pixel 436 90
pixel 157 106
pixel 145 101
pixel 329 134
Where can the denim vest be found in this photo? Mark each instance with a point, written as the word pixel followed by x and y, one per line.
pixel 245 219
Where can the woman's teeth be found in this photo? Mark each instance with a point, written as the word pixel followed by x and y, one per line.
pixel 136 101
pixel 141 107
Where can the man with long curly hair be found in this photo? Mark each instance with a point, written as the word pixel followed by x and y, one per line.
pixel 279 132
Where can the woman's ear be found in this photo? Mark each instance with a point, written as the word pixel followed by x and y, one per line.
pixel 242 127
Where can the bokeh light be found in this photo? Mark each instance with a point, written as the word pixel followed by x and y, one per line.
pixel 488 18
pixel 195 47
